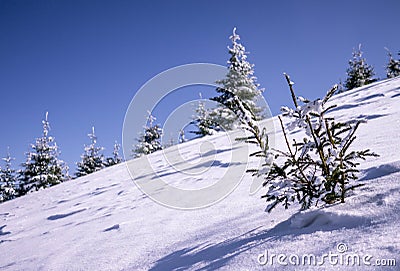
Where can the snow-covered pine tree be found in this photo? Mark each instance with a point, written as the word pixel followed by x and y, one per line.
pixel 8 180
pixel 222 118
pixel 322 166
pixel 340 87
pixel 92 158
pixel 182 137
pixel 240 80
pixel 150 140
pixel 42 168
pixel 202 120
pixel 359 73
pixel 393 66
pixel 116 157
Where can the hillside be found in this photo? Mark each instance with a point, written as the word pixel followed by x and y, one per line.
pixel 104 222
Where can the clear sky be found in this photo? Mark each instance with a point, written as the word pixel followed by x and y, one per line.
pixel 83 61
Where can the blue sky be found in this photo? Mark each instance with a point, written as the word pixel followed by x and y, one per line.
pixel 83 61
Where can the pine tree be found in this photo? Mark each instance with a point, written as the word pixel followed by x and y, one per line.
pixel 340 87
pixel 92 158
pixel 393 66
pixel 221 118
pixel 8 180
pixel 182 137
pixel 150 141
pixel 240 80
pixel 116 158
pixel 359 73
pixel 322 166
pixel 42 168
pixel 202 120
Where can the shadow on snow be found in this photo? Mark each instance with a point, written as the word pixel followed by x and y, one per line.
pixel 213 256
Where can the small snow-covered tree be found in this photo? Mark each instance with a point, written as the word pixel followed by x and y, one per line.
pixel 203 120
pixel 359 73
pixel 150 140
pixel 8 180
pixel 322 166
pixel 393 66
pixel 116 157
pixel 240 80
pixel 340 87
pixel 182 137
pixel 42 168
pixel 92 159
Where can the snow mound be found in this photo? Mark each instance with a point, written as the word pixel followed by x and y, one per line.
pixel 320 218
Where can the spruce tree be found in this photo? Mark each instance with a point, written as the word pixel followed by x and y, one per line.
pixel 320 168
pixel 393 66
pixel 116 158
pixel 359 73
pixel 203 120
pixel 240 80
pixel 92 158
pixel 150 140
pixel 8 180
pixel 182 137
pixel 42 168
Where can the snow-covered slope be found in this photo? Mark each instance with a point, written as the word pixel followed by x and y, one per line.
pixel 104 222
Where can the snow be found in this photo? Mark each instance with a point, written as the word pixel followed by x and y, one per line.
pixel 104 222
